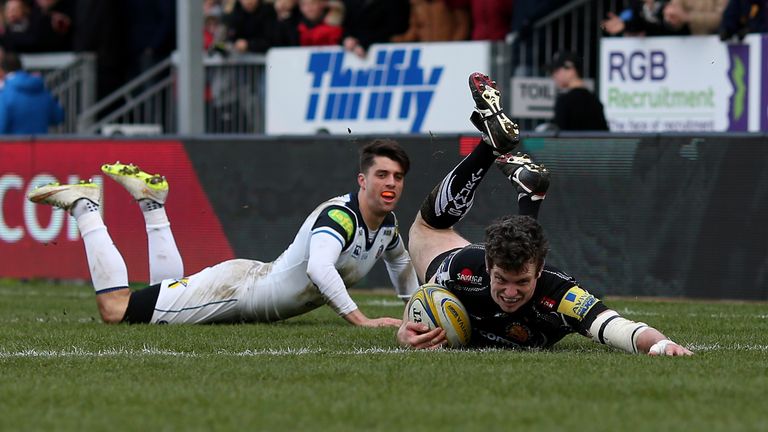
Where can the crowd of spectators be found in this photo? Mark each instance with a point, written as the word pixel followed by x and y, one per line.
pixel 129 36
pixel 256 25
pixel 728 18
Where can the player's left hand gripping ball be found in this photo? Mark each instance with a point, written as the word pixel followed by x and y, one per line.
pixel 435 306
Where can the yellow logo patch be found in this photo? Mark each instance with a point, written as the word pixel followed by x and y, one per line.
pixel 179 283
pixel 343 219
pixel 576 303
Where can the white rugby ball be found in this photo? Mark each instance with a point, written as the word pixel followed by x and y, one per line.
pixel 435 306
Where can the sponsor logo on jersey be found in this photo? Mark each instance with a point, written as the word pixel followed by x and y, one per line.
pixel 342 218
pixel 465 276
pixel 495 338
pixel 179 283
pixel 576 303
pixel 378 252
pixel 356 251
pixel 388 232
pixel 547 303
pixel 518 332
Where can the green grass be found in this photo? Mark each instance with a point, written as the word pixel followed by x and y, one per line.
pixel 60 369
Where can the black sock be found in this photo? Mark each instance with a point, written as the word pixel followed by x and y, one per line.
pixel 450 200
pixel 528 207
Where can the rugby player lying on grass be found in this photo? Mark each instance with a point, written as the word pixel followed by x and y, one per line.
pixel 513 299
pixel 336 246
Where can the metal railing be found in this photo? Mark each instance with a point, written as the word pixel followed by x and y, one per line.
pixel 574 27
pixel 71 78
pixel 235 85
pixel 234 99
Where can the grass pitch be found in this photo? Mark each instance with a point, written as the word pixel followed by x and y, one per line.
pixel 61 369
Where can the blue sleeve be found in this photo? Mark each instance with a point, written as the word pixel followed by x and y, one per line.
pixel 56 112
pixel 3 117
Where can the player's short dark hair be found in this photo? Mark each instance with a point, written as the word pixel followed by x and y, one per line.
pixel 383 147
pixel 10 62
pixel 513 241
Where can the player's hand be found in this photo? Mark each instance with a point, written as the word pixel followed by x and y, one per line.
pixel 419 336
pixel 382 322
pixel 668 348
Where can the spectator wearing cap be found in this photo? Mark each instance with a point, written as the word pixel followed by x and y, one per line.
pixel 26 107
pixel 576 108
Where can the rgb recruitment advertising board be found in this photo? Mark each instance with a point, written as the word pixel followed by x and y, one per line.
pixel 695 83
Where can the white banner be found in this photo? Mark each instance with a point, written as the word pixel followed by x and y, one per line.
pixel 397 88
pixel 694 83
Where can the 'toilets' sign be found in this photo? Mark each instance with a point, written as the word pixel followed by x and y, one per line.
pixel 402 88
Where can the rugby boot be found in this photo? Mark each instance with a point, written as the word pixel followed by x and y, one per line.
pixel 138 183
pixel 64 196
pixel 498 130
pixel 529 178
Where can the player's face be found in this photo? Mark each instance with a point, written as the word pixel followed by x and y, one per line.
pixel 382 184
pixel 510 289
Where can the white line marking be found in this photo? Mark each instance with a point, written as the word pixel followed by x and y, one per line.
pixel 76 352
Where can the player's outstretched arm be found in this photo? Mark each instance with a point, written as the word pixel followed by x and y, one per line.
pixel 359 319
pixel 612 329
pixel 652 342
pixel 324 251
pixel 400 269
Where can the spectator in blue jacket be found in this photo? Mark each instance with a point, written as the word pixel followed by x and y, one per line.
pixel 26 107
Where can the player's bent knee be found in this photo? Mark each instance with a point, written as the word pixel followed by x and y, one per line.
pixel 112 305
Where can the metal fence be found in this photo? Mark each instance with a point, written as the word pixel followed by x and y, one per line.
pixel 235 84
pixel 575 27
pixel 71 78
pixel 234 100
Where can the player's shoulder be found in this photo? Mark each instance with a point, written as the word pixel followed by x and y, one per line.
pixel 560 292
pixel 340 214
pixel 465 268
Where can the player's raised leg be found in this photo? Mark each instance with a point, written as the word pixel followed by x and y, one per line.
pixel 531 181
pixel 431 233
pixel 151 191
pixel 109 274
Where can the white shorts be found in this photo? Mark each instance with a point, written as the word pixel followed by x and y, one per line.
pixel 215 294
pixel 236 291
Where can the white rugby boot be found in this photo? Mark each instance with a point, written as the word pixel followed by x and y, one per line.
pixel 64 196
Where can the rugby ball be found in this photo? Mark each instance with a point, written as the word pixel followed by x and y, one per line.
pixel 435 306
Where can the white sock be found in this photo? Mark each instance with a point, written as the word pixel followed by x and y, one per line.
pixel 82 206
pixel 107 267
pixel 164 259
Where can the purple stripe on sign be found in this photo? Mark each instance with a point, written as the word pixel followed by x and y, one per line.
pixel 738 76
pixel 764 83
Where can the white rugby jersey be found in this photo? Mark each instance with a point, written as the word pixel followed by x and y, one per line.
pixel 257 291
